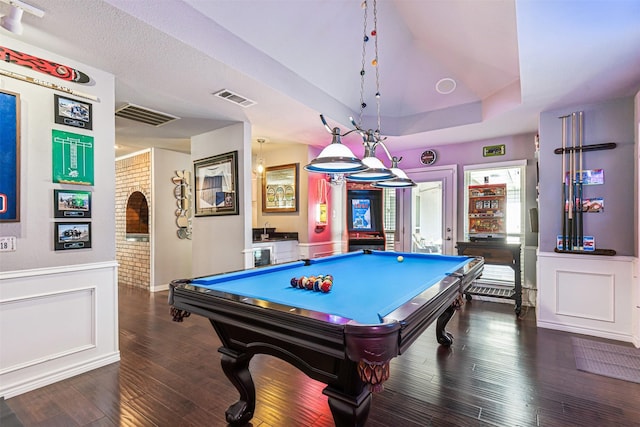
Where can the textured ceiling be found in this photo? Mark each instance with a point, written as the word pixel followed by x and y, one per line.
pixel 299 58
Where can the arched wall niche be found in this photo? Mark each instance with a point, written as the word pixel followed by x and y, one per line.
pixel 137 217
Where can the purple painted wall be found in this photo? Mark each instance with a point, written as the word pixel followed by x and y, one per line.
pixel 610 121
pixel 517 147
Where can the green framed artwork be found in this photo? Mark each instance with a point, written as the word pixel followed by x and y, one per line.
pixel 493 150
pixel 72 158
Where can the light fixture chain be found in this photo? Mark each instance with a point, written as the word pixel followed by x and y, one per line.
pixel 377 66
pixel 364 53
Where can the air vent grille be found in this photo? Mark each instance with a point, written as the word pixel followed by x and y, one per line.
pixel 235 98
pixel 144 115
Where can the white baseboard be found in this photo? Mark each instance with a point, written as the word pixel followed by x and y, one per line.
pixel 29 384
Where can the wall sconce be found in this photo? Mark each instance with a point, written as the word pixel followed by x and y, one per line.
pixel 13 20
pixel 321 206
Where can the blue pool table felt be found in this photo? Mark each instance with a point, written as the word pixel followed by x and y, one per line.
pixel 366 287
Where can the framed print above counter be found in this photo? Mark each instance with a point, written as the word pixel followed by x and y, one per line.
pixel 280 188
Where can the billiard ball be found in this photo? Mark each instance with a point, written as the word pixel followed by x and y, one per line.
pixel 326 286
pixel 400 258
pixel 294 282
pixel 328 277
pixel 302 281
pixel 310 284
pixel 317 284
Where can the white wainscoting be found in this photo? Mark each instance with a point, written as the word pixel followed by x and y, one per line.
pixel 56 323
pixel 586 294
pixel 320 249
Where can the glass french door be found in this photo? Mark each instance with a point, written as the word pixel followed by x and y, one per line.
pixel 426 213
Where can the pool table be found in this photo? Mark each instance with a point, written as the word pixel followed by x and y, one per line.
pixel 377 307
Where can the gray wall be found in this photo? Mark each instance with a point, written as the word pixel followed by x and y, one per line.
pixel 610 121
pixel 171 256
pixel 219 243
pixel 34 232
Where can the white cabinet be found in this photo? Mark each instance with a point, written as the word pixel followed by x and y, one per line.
pixel 285 251
pixel 281 250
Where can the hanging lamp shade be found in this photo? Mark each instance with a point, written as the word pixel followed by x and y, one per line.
pixel 400 180
pixel 376 171
pixel 395 183
pixel 336 158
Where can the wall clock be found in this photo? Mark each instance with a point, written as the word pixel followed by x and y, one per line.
pixel 428 157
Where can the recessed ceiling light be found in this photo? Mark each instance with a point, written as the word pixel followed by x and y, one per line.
pixel 446 86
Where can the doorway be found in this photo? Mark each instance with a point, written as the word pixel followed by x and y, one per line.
pixel 511 175
pixel 426 213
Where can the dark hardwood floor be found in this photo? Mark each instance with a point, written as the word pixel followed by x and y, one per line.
pixel 500 371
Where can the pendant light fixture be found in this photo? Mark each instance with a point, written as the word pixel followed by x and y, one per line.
pixel 260 167
pixel 338 158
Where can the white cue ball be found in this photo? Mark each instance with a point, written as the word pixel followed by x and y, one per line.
pixel 400 258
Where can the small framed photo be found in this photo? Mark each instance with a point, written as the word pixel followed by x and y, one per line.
pixel 71 112
pixel 216 185
pixel 494 150
pixel 71 204
pixel 72 235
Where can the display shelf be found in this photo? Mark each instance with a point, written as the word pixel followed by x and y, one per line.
pixel 487 210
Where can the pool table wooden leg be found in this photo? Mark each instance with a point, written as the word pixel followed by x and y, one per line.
pixel 348 411
pixel 444 337
pixel 236 367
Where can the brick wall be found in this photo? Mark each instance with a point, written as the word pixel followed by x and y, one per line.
pixel 133 174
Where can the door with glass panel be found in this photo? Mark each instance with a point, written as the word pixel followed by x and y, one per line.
pixel 426 212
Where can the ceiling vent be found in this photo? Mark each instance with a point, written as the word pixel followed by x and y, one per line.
pixel 235 98
pixel 144 115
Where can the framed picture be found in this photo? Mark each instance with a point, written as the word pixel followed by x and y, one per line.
pixel 10 156
pixel 71 235
pixel 280 188
pixel 72 158
pixel 71 204
pixel 71 112
pixel 216 185
pixel 494 150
